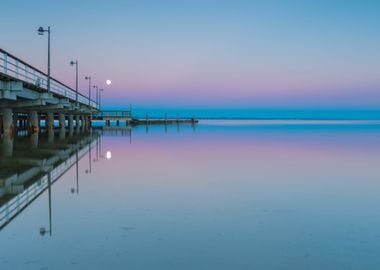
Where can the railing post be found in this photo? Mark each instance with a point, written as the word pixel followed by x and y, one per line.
pixel 16 69
pixel 5 63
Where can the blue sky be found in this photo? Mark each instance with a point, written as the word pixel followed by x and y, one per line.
pixel 279 55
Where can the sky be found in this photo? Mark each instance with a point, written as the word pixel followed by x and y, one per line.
pixel 201 56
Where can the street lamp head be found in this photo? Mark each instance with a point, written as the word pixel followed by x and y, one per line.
pixel 94 86
pixel 41 30
pixel 101 90
pixel 87 77
pixel 72 63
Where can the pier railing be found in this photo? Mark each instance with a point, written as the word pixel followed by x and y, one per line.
pixel 17 69
pixel 114 114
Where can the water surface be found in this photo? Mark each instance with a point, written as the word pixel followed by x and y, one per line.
pixel 220 195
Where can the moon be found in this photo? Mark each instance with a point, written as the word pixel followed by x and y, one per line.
pixel 108 82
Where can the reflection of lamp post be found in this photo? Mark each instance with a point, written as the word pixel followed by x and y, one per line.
pixel 77 173
pixel 72 63
pixel 100 146
pixel 89 158
pixel 43 230
pixel 97 150
pixel 41 32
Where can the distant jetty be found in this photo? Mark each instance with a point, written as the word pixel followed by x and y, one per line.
pixel 126 117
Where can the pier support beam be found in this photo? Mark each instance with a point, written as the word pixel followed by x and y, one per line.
pixel 33 129
pixel 33 118
pixel 71 125
pixel 62 125
pixel 39 122
pixel 6 145
pixel 50 126
pixel 62 120
pixel 49 120
pixel 77 124
pixel 15 121
pixel 84 122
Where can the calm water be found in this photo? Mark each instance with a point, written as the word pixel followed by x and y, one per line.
pixel 222 195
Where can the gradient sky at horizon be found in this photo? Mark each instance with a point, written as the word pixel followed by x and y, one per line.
pixel 208 54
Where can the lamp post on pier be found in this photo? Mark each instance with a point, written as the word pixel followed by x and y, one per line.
pixel 41 32
pixel 89 89
pixel 97 94
pixel 72 63
pixel 100 91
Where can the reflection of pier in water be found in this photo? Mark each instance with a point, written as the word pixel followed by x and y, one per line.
pixel 127 130
pixel 116 130
pixel 27 173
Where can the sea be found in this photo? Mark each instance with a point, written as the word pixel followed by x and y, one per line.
pixel 219 194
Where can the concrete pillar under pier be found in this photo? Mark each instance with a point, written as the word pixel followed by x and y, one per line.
pixel 71 125
pixel 33 129
pixel 62 120
pixel 84 122
pixel 33 125
pixel 50 126
pixel 49 120
pixel 39 122
pixel 77 124
pixel 6 145
pixel 87 120
pixel 15 122
pixel 62 125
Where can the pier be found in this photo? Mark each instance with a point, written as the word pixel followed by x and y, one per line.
pixel 123 117
pixel 26 99
pixel 118 116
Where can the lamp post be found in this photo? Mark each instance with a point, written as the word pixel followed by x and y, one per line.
pixel 89 96
pixel 97 94
pixel 100 91
pixel 89 89
pixel 72 63
pixel 41 32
